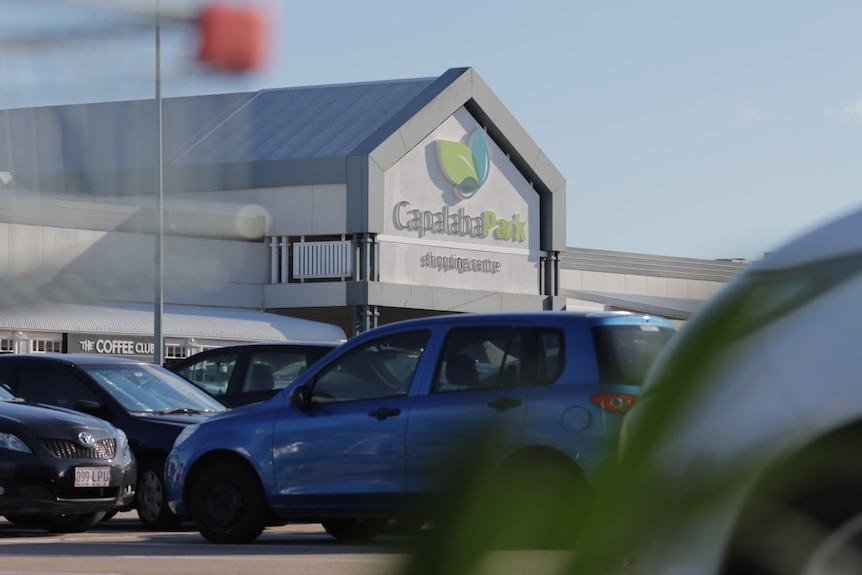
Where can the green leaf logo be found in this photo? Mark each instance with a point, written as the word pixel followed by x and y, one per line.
pixel 466 166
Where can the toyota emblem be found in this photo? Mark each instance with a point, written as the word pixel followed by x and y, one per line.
pixel 86 439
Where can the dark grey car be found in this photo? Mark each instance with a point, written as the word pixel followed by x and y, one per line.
pixel 148 402
pixel 60 470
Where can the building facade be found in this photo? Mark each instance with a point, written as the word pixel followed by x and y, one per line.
pixel 350 205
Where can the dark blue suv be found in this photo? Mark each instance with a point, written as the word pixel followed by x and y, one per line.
pixel 377 430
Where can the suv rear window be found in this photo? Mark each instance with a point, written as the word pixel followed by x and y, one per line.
pixel 626 352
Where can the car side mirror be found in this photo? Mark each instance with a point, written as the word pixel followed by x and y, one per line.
pixel 301 396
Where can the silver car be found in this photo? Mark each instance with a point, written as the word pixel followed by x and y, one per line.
pixel 742 453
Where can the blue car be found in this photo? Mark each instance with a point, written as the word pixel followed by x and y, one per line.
pixel 378 430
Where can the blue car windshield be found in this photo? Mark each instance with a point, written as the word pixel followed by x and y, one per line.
pixel 151 389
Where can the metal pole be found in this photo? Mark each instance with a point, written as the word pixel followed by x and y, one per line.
pixel 158 306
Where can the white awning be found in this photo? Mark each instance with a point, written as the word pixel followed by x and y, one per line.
pixel 182 322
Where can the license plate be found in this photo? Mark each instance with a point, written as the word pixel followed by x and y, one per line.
pixel 92 477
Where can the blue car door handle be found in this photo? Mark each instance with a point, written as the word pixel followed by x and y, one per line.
pixel 504 403
pixel 382 413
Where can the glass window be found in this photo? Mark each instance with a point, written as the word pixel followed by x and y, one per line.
pixel 212 373
pixel 499 357
pixel 277 369
pixel 6 375
pixel 380 368
pixel 175 351
pixel 626 352
pixel 145 387
pixel 481 358
pixel 53 385
pixel 47 346
pixel 550 358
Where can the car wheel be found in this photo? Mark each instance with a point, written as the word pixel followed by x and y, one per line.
pixel 816 502
pixel 227 504
pixel 152 507
pixel 355 529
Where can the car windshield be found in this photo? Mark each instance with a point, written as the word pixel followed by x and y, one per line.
pixel 5 394
pixel 151 389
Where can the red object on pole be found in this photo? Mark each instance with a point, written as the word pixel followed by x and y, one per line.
pixel 232 37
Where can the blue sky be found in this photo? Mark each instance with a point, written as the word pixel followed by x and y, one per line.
pixel 694 129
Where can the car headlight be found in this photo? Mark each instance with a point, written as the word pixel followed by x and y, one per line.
pixel 123 444
pixel 185 434
pixel 13 443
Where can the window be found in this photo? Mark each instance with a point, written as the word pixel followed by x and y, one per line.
pixel 53 385
pixel 47 346
pixel 381 368
pixel 626 352
pixel 550 356
pixel 175 351
pixel 277 369
pixel 212 373
pixel 498 357
pixel 480 358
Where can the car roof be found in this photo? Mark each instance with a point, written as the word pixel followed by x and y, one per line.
pixel 837 239
pixel 248 344
pixel 551 316
pixel 75 358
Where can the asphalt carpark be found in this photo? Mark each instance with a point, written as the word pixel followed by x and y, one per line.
pixel 121 546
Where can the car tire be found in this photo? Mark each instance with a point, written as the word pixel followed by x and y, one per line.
pixel 815 501
pixel 151 502
pixel 67 523
pixel 359 529
pixel 227 504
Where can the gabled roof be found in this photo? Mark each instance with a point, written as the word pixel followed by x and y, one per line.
pixel 268 125
pixel 343 133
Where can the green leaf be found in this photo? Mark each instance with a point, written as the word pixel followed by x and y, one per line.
pixel 456 161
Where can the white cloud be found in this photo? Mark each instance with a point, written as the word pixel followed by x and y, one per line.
pixel 750 115
pixel 854 109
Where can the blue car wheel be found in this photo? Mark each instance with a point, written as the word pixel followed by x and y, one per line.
pixel 227 504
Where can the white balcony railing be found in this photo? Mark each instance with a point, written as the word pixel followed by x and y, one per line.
pixel 331 259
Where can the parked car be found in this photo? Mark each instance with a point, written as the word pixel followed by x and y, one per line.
pixel 149 403
pixel 60 470
pixel 248 373
pixel 380 427
pixel 742 454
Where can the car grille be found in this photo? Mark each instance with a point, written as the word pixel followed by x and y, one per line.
pixel 65 449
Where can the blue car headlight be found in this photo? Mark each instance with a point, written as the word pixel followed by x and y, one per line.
pixel 185 434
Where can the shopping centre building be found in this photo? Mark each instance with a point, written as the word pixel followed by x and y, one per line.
pixel 285 212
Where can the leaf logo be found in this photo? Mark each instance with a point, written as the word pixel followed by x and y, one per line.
pixel 466 166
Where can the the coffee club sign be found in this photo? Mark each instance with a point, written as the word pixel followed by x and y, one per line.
pixel 466 167
pixel 110 344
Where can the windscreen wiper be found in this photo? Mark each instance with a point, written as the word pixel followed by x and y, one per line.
pixel 184 411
